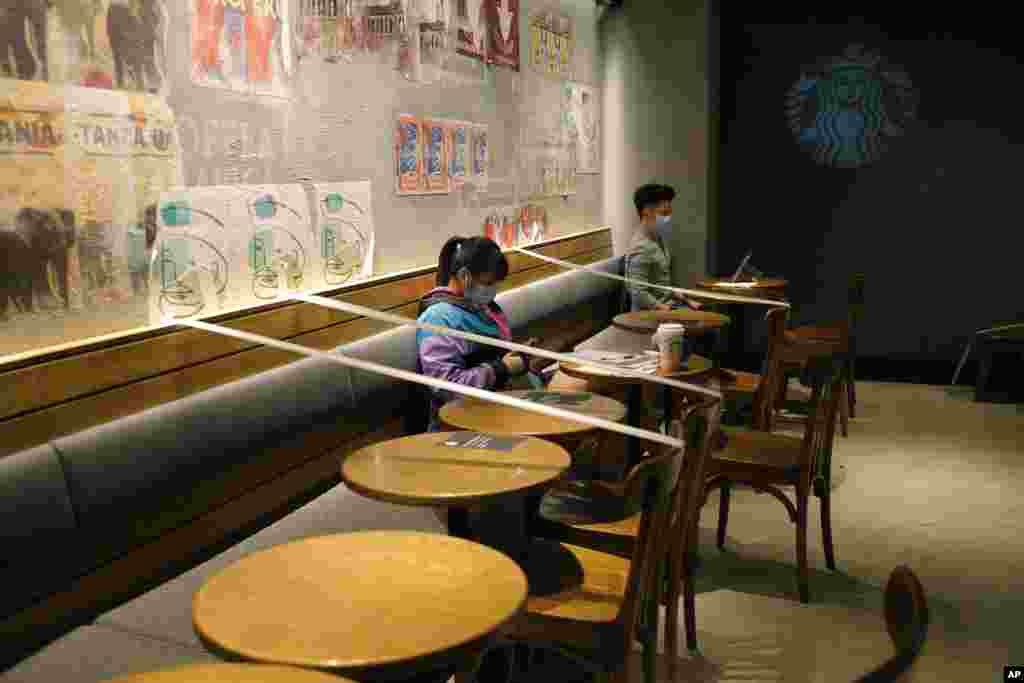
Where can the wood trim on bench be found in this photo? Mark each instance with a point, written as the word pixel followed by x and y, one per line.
pixel 68 392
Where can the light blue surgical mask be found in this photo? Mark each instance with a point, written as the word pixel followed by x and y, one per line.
pixel 664 220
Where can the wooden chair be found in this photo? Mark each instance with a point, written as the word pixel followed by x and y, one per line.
pixel 840 337
pixel 612 529
pixel 594 619
pixel 763 387
pixel 906 618
pixel 766 462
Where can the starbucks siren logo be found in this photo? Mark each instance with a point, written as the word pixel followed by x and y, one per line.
pixel 844 110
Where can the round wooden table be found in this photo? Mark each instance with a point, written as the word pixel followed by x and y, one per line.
pixel 374 605
pixel 698 369
pixel 696 322
pixel 501 489
pixel 231 673
pixel 421 470
pixel 472 414
pixel 764 288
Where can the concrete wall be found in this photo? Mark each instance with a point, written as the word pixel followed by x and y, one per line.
pixel 656 119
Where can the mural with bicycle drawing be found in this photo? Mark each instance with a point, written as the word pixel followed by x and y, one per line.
pixel 230 247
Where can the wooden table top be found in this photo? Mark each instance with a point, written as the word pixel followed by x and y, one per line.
pixel 696 322
pixel 472 414
pixel 231 673
pixel 360 601
pixel 698 368
pixel 421 470
pixel 758 286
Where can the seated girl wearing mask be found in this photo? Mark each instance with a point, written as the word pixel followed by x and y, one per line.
pixel 468 271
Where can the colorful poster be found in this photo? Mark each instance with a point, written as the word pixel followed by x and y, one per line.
pixel 583 127
pixel 481 158
pixel 435 157
pixel 346 232
pixel 230 246
pixel 280 245
pixel 109 44
pixel 237 45
pixel 551 45
pixel 83 168
pixel 408 156
pixel 195 254
pixel 458 153
pixel 503 33
pixel 471 28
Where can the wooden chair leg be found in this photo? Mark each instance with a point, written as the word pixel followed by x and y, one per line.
pixel 844 413
pixel 650 664
pixel 672 614
pixel 690 605
pixel 826 530
pixel 801 545
pixel 723 512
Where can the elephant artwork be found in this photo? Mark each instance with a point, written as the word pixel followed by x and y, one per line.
pixel 78 21
pixel 15 273
pixel 49 234
pixel 23 34
pixel 136 32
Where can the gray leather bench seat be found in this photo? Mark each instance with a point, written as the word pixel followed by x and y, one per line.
pixel 75 504
pixel 38 531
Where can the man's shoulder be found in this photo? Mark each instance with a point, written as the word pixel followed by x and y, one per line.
pixel 643 244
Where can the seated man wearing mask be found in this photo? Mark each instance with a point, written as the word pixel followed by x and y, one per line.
pixel 648 260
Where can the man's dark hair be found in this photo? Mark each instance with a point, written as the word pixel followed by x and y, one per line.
pixel 668 193
pixel 647 196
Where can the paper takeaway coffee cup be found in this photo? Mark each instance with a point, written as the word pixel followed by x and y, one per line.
pixel 670 339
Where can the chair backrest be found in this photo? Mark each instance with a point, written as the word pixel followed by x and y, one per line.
pixel 664 482
pixel 696 427
pixel 823 374
pixel 771 371
pixel 906 618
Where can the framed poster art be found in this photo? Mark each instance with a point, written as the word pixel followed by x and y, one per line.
pixel 408 156
pixel 458 153
pixel 503 33
pixel 346 232
pixel 551 44
pixel 471 28
pixel 235 46
pixel 583 127
pixel 435 156
pixel 481 159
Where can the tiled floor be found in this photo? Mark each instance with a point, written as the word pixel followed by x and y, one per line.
pixel 929 479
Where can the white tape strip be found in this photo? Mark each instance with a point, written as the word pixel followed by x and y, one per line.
pixel 697 293
pixel 499 343
pixel 405 376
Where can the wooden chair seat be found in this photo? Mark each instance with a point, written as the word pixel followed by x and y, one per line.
pixel 596 597
pixel 746 447
pixel 744 383
pixel 814 333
